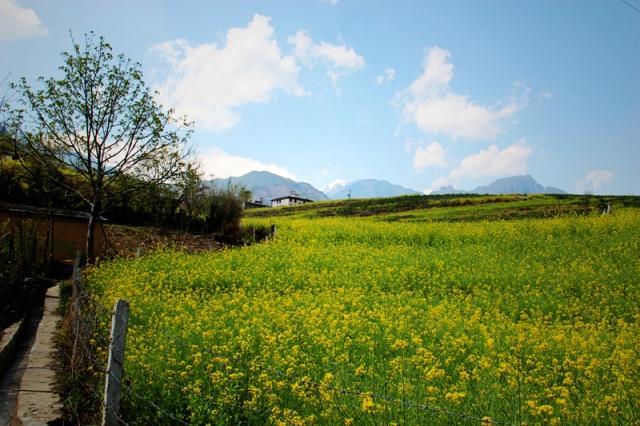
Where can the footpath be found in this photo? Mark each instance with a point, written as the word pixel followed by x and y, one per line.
pixel 27 395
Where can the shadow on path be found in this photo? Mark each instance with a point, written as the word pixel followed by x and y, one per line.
pixel 10 380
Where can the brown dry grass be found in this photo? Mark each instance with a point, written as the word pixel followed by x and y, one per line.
pixel 125 240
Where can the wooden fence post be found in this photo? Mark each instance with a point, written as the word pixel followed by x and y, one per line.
pixel 76 293
pixel 77 266
pixel 115 363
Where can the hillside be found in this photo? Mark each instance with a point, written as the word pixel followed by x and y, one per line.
pixel 462 207
pixel 266 186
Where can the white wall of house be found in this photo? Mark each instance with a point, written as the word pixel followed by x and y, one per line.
pixel 288 201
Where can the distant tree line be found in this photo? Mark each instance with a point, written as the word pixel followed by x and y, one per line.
pixel 185 204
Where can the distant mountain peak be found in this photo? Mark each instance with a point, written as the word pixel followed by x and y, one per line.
pixel 448 189
pixel 334 186
pixel 367 188
pixel 522 184
pixel 267 186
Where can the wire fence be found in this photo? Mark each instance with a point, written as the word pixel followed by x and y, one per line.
pixel 85 303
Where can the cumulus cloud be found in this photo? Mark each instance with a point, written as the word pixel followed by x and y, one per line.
pixel 490 162
pixel 340 60
pixel 493 161
pixel 388 75
pixel 219 164
pixel 430 103
pixel 594 180
pixel 208 82
pixel 19 22
pixel 433 154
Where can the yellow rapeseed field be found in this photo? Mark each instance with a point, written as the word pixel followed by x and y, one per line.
pixel 362 321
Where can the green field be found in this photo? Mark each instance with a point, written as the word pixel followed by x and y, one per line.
pixel 414 310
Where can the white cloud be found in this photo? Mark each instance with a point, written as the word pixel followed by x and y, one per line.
pixel 302 45
pixel 18 22
pixel 410 144
pixel 331 2
pixel 388 75
pixel 490 162
pixel 433 154
pixel 339 59
pixel 546 94
pixel 430 103
pixel 594 180
pixel 219 164
pixel 494 162
pixel 207 82
pixel 339 56
pixel 438 72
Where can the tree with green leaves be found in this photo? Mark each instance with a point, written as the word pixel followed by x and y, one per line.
pixel 193 195
pixel 101 123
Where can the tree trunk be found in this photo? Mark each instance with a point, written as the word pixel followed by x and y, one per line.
pixel 90 234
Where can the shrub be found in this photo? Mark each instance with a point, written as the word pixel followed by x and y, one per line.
pixel 19 280
pixel 225 212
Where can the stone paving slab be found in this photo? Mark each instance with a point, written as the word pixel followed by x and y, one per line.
pixel 8 341
pixel 38 404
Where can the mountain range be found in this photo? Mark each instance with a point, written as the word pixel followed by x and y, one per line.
pixel 367 188
pixel 524 184
pixel 267 186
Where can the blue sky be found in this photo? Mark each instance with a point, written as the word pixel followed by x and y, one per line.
pixel 420 93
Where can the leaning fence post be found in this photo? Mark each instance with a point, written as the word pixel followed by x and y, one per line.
pixel 76 293
pixel 115 363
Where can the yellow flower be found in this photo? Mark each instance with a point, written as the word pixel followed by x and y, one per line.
pixel 545 409
pixel 367 403
pixel 399 345
pixel 455 397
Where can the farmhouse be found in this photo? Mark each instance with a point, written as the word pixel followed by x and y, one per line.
pixel 289 200
pixel 68 229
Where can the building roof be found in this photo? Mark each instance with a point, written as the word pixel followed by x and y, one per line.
pixel 293 197
pixel 254 204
